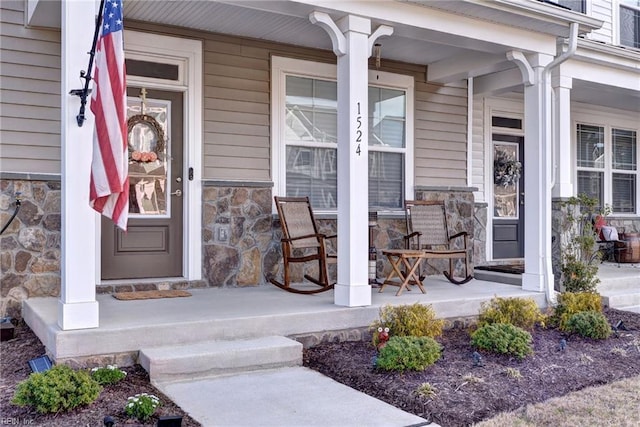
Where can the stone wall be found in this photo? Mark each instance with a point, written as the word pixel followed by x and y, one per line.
pixel 480 217
pixel 238 234
pixel 30 246
pixel 240 238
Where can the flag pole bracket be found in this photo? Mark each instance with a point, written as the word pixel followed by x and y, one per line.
pixel 86 75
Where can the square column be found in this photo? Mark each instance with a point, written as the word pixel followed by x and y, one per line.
pixel 563 183
pixel 353 287
pixel 77 306
pixel 537 177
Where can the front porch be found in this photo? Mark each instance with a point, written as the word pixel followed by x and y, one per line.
pixel 220 314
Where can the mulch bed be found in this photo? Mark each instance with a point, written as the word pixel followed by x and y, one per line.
pixel 466 393
pixel 14 368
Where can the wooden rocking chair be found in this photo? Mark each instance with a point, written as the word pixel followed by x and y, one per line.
pixel 301 243
pixel 427 230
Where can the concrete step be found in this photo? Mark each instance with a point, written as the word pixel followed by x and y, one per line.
pixel 620 298
pixel 618 283
pixel 498 277
pixel 214 358
pixel 634 308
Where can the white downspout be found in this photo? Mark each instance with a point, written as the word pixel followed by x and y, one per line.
pixel 571 50
pixel 529 79
pixel 546 75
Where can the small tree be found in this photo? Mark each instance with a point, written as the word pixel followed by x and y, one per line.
pixel 579 252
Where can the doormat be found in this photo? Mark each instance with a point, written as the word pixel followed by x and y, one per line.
pixel 504 268
pixel 126 296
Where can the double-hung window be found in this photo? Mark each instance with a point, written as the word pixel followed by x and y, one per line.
pixel 305 129
pixel 630 23
pixel 607 166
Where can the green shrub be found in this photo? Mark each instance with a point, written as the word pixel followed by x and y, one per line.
pixel 521 312
pixel 503 338
pixel 414 320
pixel 579 276
pixel 408 353
pixel 58 389
pixel 142 406
pixel 109 375
pixel 589 324
pixel 570 303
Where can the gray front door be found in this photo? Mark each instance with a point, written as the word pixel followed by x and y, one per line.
pixel 152 245
pixel 508 198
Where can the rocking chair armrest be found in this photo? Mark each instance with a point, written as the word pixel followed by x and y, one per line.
pixel 412 235
pixel 460 234
pixel 291 239
pixel 332 236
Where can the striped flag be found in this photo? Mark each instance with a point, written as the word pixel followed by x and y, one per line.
pixel 109 186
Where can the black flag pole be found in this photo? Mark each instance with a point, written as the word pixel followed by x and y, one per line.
pixel 83 93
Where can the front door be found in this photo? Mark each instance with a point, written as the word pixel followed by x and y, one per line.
pixel 508 196
pixel 152 245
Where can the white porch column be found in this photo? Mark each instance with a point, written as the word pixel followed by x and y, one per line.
pixel 537 170
pixel 350 37
pixel 563 181
pixel 353 287
pixel 77 306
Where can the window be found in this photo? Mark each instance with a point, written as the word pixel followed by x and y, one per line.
pixel 607 159
pixel 305 123
pixel 630 23
pixel 575 5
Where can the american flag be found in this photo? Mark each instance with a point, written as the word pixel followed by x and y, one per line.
pixel 109 187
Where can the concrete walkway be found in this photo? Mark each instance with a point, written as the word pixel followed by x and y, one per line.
pixel 295 397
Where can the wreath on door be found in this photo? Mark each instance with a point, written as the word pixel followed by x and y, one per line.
pixel 506 169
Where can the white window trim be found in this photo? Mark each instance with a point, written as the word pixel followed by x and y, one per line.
pixel 281 67
pixel 617 4
pixel 607 122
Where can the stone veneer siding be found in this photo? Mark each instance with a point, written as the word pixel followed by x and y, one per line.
pixel 241 235
pixel 240 238
pixel 30 246
pixel 558 215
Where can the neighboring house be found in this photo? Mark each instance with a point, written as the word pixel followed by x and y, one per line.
pixel 256 99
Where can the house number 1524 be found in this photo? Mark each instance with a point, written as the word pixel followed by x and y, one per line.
pixel 358 131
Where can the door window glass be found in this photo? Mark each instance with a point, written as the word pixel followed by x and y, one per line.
pixel 506 170
pixel 148 124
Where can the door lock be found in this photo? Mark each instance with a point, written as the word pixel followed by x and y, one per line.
pixel 177 193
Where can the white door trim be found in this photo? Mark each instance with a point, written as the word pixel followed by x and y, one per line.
pixel 187 54
pixel 505 108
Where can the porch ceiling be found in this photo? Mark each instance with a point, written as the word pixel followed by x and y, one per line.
pixel 435 33
pixel 606 96
pixel 278 21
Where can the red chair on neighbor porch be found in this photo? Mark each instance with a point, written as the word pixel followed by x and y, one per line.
pixel 302 243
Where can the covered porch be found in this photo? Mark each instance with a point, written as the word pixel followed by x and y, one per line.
pixel 226 314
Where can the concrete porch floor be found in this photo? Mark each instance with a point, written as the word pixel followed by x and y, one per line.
pixel 238 313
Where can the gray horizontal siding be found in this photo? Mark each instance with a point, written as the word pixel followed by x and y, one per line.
pixel 441 134
pixel 29 94
pixel 236 105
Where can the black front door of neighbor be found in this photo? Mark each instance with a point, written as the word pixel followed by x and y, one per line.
pixel 508 197
pixel 153 244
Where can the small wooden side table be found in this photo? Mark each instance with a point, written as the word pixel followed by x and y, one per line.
pixel 410 260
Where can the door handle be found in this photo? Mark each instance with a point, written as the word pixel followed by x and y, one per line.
pixel 177 193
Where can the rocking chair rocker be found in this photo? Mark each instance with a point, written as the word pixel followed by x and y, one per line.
pixel 301 243
pixel 427 228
